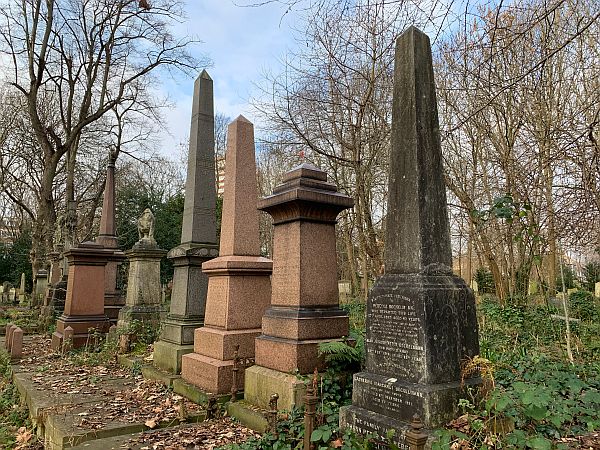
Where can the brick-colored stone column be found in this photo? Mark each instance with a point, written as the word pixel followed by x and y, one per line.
pixel 239 286
pixel 107 237
pixel 84 306
pixel 305 301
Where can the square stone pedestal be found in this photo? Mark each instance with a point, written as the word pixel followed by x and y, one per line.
pixel 84 306
pixel 167 355
pixel 83 328
pixel 261 382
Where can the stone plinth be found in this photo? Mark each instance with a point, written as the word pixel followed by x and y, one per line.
pixel 84 306
pixel 304 307
pixel 144 300
pixel 239 286
pixel 198 236
pixel 421 321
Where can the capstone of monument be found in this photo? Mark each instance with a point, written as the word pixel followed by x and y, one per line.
pixel 239 286
pixel 304 309
pixel 144 300
pixel 198 236
pixel 84 306
pixel 421 320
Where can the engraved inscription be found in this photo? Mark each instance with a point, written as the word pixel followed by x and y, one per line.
pixel 388 397
pixel 365 426
pixel 395 341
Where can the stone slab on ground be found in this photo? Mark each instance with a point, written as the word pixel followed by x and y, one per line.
pixel 195 394
pixel 209 434
pixel 249 415
pixel 261 382
pixel 72 401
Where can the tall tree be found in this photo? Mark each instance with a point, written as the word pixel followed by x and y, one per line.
pixel 74 62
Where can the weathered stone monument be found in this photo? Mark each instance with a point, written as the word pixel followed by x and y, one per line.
pixel 107 237
pixel 63 241
pixel 304 309
pixel 597 289
pixel 143 302
pixel 84 306
pixel 41 284
pixel 54 275
pixel 22 289
pixel 239 286
pixel 198 236
pixel 421 322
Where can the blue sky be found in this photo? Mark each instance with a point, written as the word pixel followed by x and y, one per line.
pixel 242 43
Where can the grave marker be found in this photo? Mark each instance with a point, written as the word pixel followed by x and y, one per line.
pixel 421 321
pixel 239 286
pixel 198 236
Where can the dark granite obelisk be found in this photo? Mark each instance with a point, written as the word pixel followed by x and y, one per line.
pixel 198 236
pixel 421 321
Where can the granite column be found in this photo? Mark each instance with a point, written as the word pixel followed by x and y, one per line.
pixel 198 236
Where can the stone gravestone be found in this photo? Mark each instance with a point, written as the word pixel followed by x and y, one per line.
pixel 143 302
pixel 304 310
pixel 198 236
pixel 421 319
pixel 597 289
pixel 58 290
pixel 84 306
pixel 41 283
pixel 239 285
pixel 21 289
pixel 107 237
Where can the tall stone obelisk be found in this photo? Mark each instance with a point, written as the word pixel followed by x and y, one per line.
pixel 198 236
pixel 239 285
pixel 107 237
pixel 421 322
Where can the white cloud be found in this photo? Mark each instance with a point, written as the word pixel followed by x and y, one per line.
pixel 241 42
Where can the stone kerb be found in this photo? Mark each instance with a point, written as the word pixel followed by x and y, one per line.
pixel 16 343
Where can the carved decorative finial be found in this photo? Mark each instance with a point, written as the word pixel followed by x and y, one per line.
pixel 146 228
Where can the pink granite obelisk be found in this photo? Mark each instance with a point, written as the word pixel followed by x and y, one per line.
pixel 239 286
pixel 107 237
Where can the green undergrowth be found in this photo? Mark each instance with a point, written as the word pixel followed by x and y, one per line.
pixel 21 318
pixel 13 415
pixel 533 395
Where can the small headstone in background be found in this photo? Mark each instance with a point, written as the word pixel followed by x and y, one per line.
pixel 597 290
pixel 16 344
